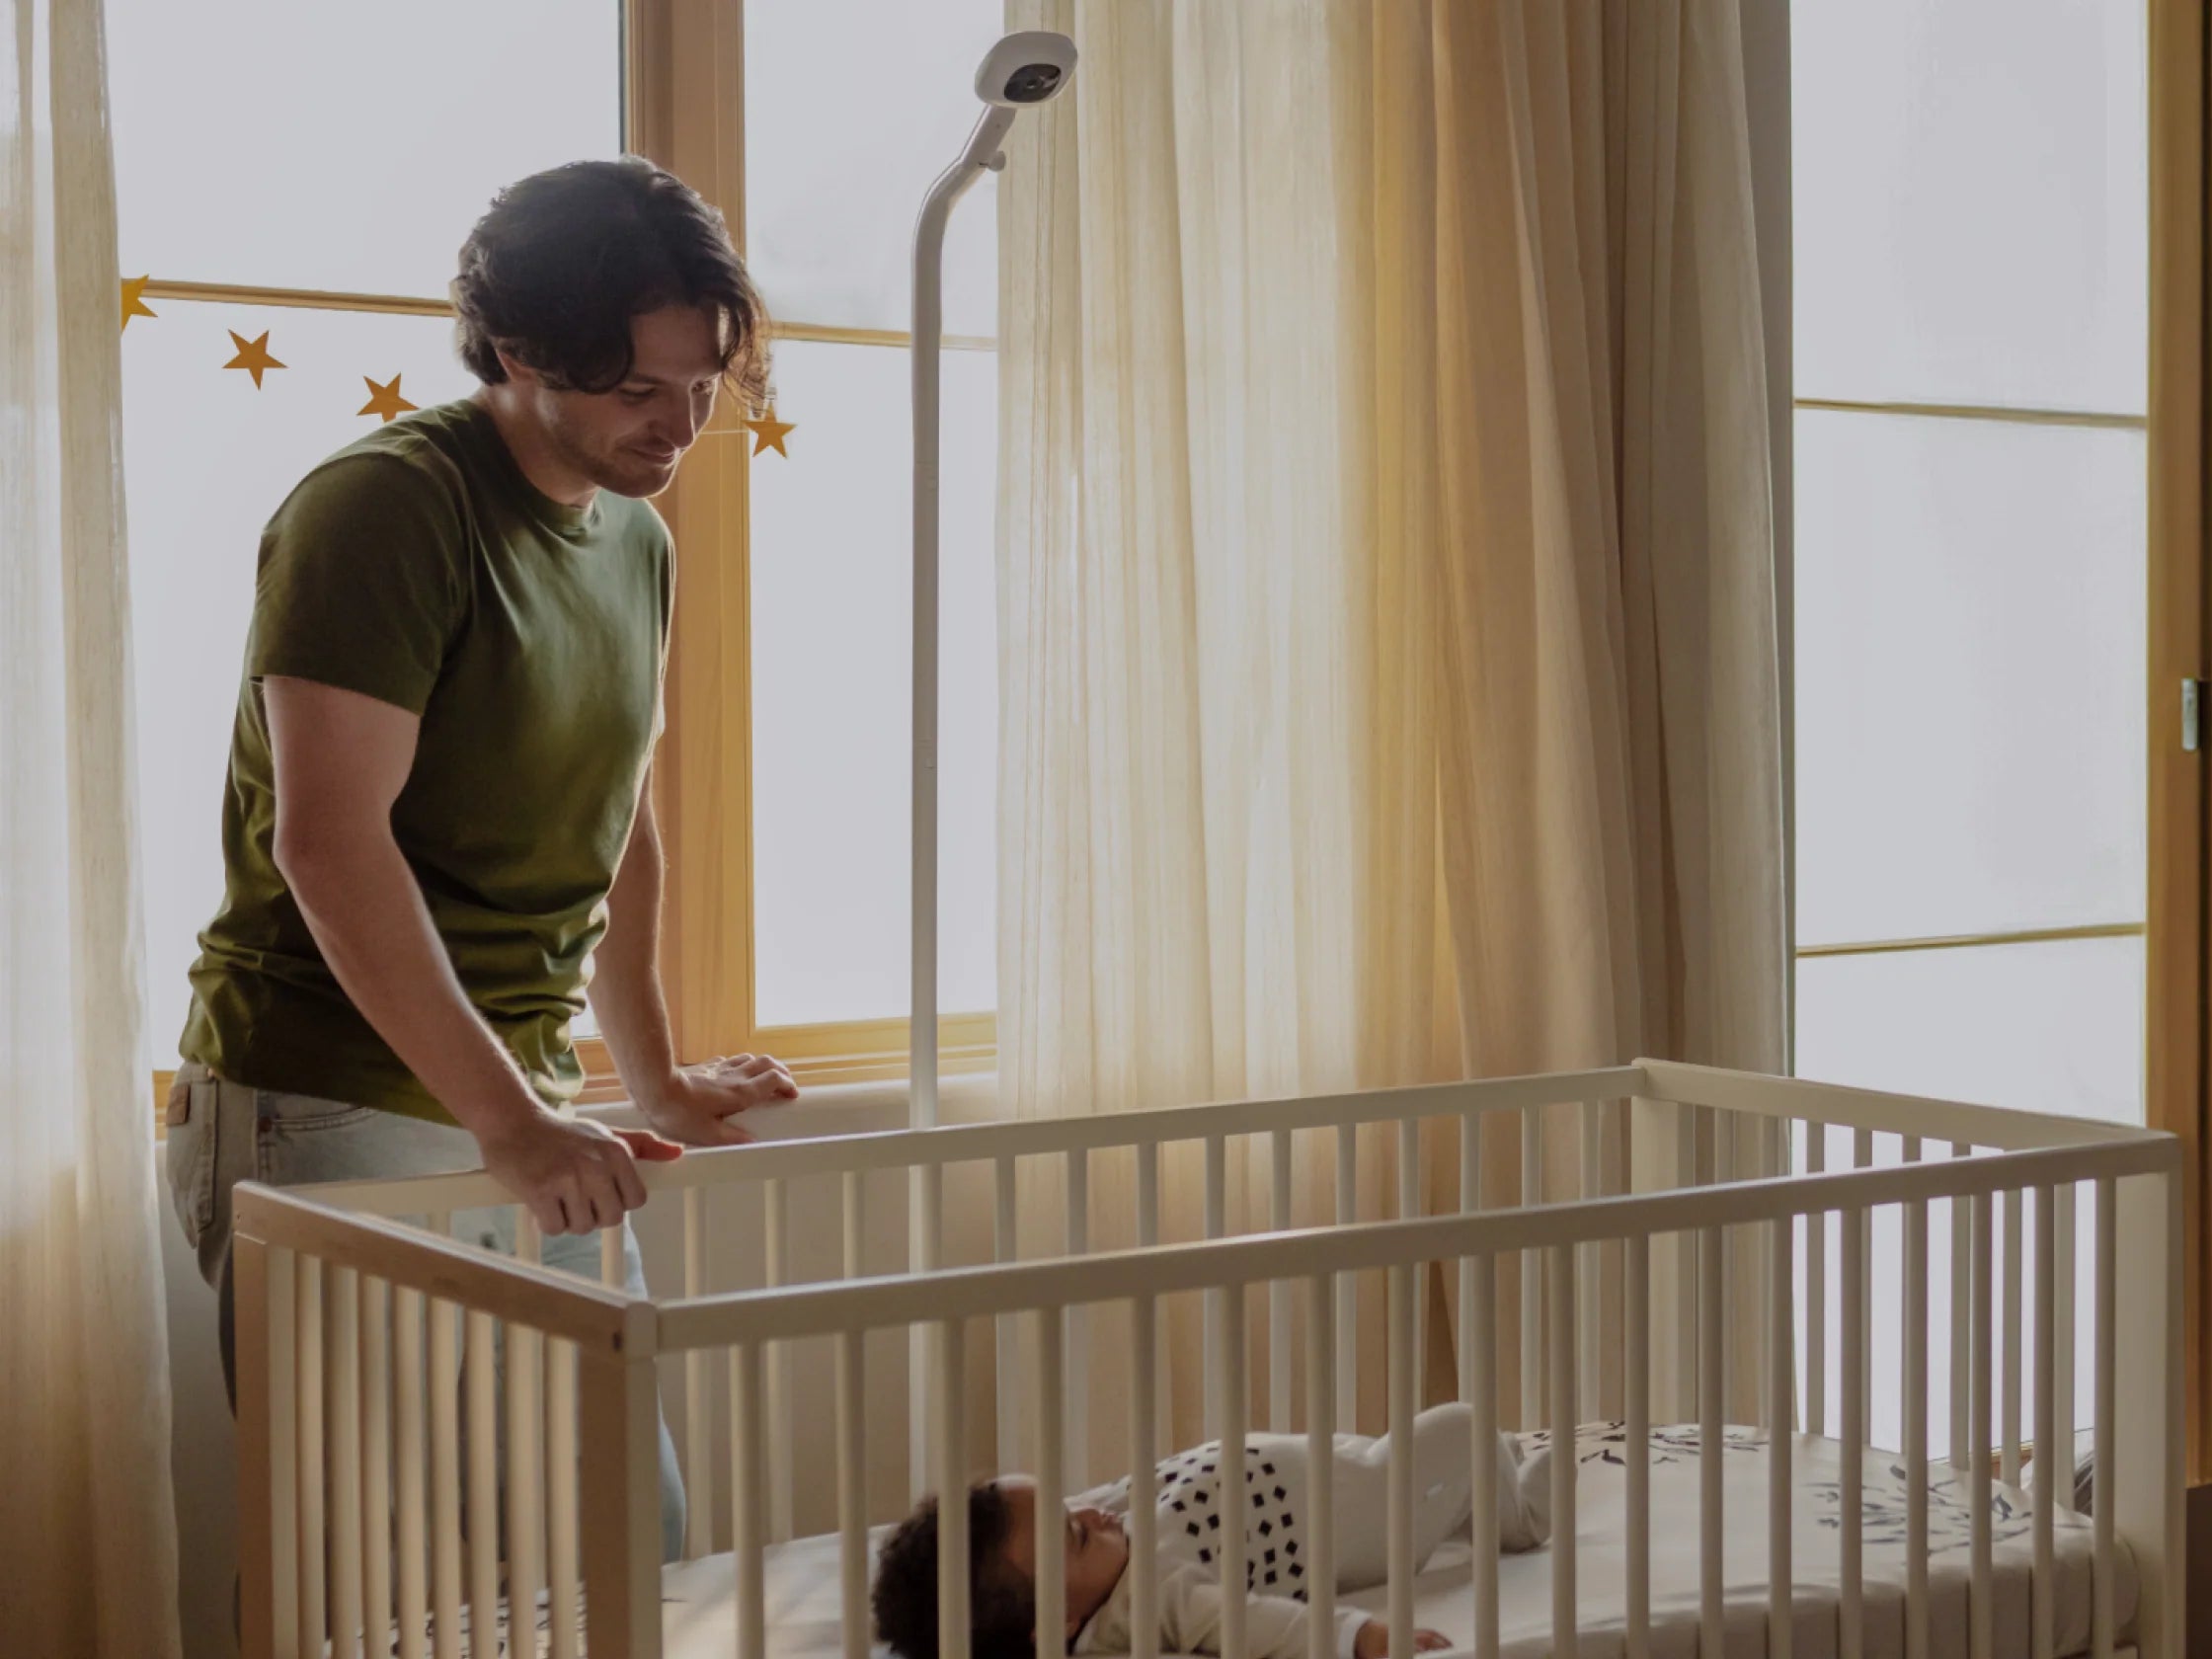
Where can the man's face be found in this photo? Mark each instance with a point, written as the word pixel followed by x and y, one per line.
pixel 630 440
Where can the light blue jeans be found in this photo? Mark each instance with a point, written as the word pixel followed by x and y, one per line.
pixel 221 1133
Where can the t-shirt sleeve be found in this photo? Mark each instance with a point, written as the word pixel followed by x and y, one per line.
pixel 362 582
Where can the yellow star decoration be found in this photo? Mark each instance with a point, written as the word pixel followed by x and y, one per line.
pixel 134 299
pixel 252 357
pixel 384 400
pixel 768 433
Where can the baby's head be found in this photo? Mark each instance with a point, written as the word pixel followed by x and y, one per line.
pixel 1002 1572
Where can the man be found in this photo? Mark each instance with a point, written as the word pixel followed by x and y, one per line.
pixel 438 818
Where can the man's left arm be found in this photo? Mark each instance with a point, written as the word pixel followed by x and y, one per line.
pixel 693 1104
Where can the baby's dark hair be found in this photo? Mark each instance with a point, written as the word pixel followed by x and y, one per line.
pixel 1002 1601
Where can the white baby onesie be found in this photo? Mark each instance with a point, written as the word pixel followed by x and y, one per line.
pixel 1274 1512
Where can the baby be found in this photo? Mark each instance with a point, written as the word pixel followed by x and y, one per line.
pixel 1001 1547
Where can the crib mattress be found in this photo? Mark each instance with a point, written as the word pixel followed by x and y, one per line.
pixel 802 1594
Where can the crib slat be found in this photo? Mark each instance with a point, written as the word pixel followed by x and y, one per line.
pixel 1231 1409
pixel 747 1500
pixel 1962 1295
pixel 2066 1325
pixel 446 1479
pixel 2103 1609
pixel 1916 1431
pixel 1589 1334
pixel 1321 1501
pixel 1781 1317
pixel 1710 1331
pixel 406 1360
pixel 925 1242
pixel 2044 1610
pixel 376 1467
pixel 1148 1234
pixel 1851 1613
pixel 564 1522
pixel 1076 1375
pixel 525 1473
pixel 1409 1206
pixel 1143 1472
pixel 852 1490
pixel 308 1335
pixel 1683 1400
pixel 1217 1210
pixel 777 1223
pixel 611 1265
pixel 698 1378
pixel 950 1346
pixel 1005 1246
pixel 2010 1324
pixel 1398 1482
pixel 1635 1299
pixel 526 1439
pixel 1532 1273
pixel 483 1479
pixel 1816 1292
pixel 1863 1158
pixel 1347 1284
pixel 1471 1199
pixel 1279 1316
pixel 280 1291
pixel 1980 1623
pixel 1052 1535
pixel 1565 1392
pixel 850 1191
pixel 1482 1274
pixel 344 1458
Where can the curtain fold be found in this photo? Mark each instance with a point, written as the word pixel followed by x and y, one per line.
pixel 1387 657
pixel 88 1550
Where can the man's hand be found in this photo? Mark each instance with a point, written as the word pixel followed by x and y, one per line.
pixel 576 1175
pixel 695 1106
pixel 1374 1640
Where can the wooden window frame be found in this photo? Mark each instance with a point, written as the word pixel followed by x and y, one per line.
pixel 2176 968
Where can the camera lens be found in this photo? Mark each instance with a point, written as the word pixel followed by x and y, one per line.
pixel 1032 82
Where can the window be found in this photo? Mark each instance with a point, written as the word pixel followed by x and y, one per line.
pixel 1971 200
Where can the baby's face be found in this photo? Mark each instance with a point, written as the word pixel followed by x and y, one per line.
pixel 1097 1548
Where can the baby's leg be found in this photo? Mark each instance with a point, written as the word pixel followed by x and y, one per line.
pixel 1442 1467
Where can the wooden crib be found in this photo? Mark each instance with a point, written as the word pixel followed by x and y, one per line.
pixel 366 1525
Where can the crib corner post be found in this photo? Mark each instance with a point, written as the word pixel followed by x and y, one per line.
pixel 267 1521
pixel 618 1425
pixel 2147 1486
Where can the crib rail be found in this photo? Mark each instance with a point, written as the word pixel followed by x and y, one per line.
pixel 316 1547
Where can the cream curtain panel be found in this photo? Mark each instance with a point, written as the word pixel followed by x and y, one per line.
pixel 1387 652
pixel 88 1548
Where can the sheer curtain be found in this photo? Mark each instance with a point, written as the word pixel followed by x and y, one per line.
pixel 88 1550
pixel 1387 657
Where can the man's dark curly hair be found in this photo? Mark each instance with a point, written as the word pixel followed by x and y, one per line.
pixel 1001 1601
pixel 556 269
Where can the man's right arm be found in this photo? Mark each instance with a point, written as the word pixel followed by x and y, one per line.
pixel 341 760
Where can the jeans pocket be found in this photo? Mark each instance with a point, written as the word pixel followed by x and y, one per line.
pixel 191 1156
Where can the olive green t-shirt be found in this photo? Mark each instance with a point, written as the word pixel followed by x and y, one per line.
pixel 422 568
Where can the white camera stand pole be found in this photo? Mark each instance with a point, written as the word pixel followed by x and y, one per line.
pixel 1020 69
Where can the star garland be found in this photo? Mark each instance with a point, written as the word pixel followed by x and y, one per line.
pixel 768 433
pixel 385 400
